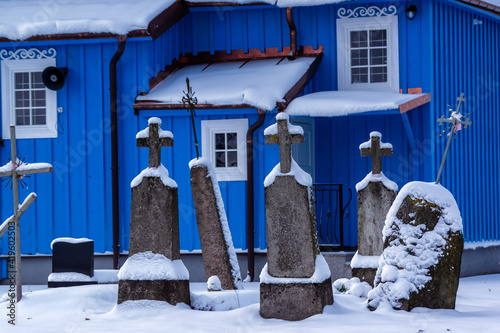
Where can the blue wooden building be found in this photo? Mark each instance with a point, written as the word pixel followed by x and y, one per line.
pixel 343 69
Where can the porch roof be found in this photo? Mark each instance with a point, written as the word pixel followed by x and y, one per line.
pixel 344 103
pixel 263 83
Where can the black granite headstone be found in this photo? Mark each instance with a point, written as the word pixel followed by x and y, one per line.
pixel 73 257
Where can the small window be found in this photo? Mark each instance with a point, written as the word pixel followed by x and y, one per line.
pixel 26 102
pixel 368 53
pixel 223 143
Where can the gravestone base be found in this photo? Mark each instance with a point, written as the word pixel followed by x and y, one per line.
pixel 294 301
pixel 58 284
pixel 365 274
pixel 171 291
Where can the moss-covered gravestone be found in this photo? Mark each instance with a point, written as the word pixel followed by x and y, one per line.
pixel 376 193
pixel 154 270
pixel 295 283
pixel 420 265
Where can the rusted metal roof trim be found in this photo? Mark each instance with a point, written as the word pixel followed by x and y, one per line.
pixel 482 5
pixel 168 18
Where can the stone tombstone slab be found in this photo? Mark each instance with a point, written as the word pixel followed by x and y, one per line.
pixel 154 226
pixel 72 255
pixel 287 289
pixel 420 264
pixel 219 256
pixel 376 193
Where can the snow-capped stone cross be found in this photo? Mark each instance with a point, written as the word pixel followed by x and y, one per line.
pixel 284 135
pixel 154 138
pixel 374 149
pixel 16 169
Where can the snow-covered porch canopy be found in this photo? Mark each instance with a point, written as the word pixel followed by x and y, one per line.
pixel 233 81
pixel 357 102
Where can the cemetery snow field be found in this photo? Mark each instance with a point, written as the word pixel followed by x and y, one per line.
pixel 94 309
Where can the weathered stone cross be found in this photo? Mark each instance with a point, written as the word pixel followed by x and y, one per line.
pixel 154 138
pixel 376 153
pixel 284 139
pixel 17 170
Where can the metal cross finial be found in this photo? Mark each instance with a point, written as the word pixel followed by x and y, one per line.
pixel 456 122
pixel 376 153
pixel 284 139
pixel 191 101
pixel 154 141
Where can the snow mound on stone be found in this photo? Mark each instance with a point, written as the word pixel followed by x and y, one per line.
pixel 405 263
pixel 152 266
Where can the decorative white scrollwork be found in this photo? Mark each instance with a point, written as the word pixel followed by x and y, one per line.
pixel 27 54
pixel 367 12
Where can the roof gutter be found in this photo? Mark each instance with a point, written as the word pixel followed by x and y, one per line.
pixel 293 34
pixel 114 147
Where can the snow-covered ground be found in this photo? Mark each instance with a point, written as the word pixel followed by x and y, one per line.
pixel 93 309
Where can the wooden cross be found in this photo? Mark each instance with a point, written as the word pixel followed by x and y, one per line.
pixel 155 139
pixel 376 153
pixel 455 120
pixel 284 139
pixel 17 171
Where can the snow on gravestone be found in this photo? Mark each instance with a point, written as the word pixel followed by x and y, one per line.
pixel 295 283
pixel 420 265
pixel 376 194
pixel 219 256
pixel 154 270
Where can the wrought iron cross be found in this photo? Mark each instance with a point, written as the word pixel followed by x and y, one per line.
pixel 16 171
pixel 456 122
pixel 154 141
pixel 191 101
pixel 376 153
pixel 284 139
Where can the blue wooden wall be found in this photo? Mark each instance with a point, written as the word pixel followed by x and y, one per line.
pixel 466 59
pixel 439 51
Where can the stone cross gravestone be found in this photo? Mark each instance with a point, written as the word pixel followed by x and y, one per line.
pixel 420 264
pixel 219 256
pixel 295 283
pixel 376 194
pixel 154 270
pixel 72 262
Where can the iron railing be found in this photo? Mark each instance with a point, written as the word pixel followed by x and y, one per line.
pixel 331 212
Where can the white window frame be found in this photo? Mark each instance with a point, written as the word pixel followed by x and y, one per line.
pixel 344 27
pixel 9 68
pixel 208 130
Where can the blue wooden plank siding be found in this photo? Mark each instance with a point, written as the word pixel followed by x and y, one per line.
pixel 466 57
pixel 441 50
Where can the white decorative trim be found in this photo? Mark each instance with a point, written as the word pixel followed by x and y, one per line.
pixel 27 54
pixel 367 12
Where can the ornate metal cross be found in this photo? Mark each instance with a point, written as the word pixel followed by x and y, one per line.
pixel 17 170
pixel 191 101
pixel 284 139
pixel 154 138
pixel 456 122
pixel 376 153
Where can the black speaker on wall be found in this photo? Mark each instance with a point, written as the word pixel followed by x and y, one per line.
pixel 54 77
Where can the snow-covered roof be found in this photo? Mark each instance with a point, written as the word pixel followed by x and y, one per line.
pixel 258 83
pixel 344 103
pixel 20 20
pixel 279 3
